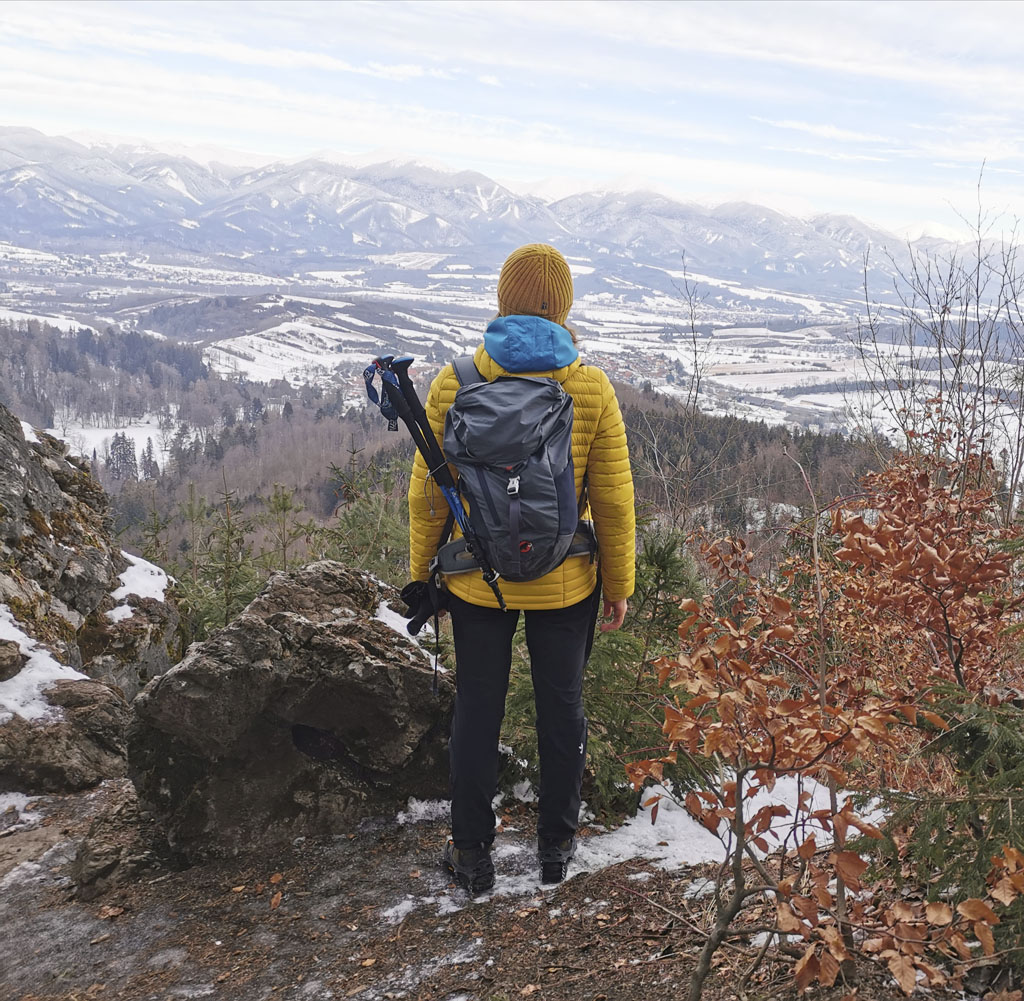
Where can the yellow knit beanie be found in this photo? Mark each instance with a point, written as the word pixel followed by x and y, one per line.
pixel 535 280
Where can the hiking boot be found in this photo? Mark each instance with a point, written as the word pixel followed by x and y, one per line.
pixel 472 867
pixel 555 857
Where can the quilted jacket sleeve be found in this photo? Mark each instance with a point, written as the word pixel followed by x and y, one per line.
pixel 425 527
pixel 611 498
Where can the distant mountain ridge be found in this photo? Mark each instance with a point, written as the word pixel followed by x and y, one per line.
pixel 59 194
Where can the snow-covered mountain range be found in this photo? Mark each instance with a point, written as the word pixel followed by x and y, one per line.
pixel 57 194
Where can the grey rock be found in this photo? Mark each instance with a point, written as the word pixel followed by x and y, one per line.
pixel 11 659
pixel 117 847
pixel 301 717
pixel 131 652
pixel 54 520
pixel 58 567
pixel 82 744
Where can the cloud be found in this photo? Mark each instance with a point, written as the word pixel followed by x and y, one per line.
pixel 701 98
pixel 825 131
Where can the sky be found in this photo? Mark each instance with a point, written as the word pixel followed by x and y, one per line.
pixel 887 111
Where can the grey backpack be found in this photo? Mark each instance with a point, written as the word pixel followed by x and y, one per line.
pixel 511 442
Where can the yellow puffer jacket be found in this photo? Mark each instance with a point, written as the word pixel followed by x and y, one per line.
pixel 598 451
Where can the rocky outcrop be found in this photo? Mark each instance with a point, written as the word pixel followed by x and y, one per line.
pixel 74 643
pixel 81 742
pixel 311 710
pixel 129 649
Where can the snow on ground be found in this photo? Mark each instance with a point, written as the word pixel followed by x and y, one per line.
pixel 423 809
pixel 14 812
pixel 141 578
pixel 410 260
pixel 65 323
pixel 84 440
pixel 29 432
pixel 22 695
pixel 674 841
pixel 25 255
pixel 297 350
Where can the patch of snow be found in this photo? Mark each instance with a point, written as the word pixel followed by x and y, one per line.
pixel 22 695
pixel 29 432
pixel 418 810
pixel 142 578
pixel 397 913
pixel 398 623
pixel 524 792
pixel 13 813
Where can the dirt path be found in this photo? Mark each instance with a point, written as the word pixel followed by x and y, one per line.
pixel 369 916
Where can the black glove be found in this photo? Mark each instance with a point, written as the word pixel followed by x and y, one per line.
pixel 424 600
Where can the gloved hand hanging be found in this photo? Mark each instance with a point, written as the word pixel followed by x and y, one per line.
pixel 424 600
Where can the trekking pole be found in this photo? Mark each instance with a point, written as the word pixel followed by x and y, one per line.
pixel 400 401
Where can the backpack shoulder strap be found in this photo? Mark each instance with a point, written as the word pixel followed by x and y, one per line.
pixel 466 371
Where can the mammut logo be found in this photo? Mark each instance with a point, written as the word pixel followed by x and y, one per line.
pixel 525 547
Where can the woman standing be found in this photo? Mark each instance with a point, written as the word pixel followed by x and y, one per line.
pixel 529 337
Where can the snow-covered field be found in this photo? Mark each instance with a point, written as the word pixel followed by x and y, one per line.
pixel 82 440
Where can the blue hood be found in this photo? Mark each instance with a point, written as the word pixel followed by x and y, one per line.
pixel 529 344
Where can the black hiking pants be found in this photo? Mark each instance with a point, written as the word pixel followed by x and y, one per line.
pixel 559 641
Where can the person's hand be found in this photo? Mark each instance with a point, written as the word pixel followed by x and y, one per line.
pixel 616 612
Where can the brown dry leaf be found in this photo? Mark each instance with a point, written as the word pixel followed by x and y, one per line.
pixel 415 874
pixel 833 938
pixel 985 937
pixel 238 889
pixel 529 989
pixel 903 911
pixel 275 900
pixel 276 878
pixel 368 962
pixel 788 921
pixel 1004 891
pixel 108 913
pixel 829 969
pixel 807 848
pixel 977 910
pixel 938 912
pixel 806 969
pixel 849 865
pixel 904 971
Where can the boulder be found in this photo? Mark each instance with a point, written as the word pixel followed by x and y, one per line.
pixel 79 743
pixel 311 710
pixel 12 660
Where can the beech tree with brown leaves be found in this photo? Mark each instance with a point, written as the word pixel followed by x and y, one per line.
pixel 835 674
